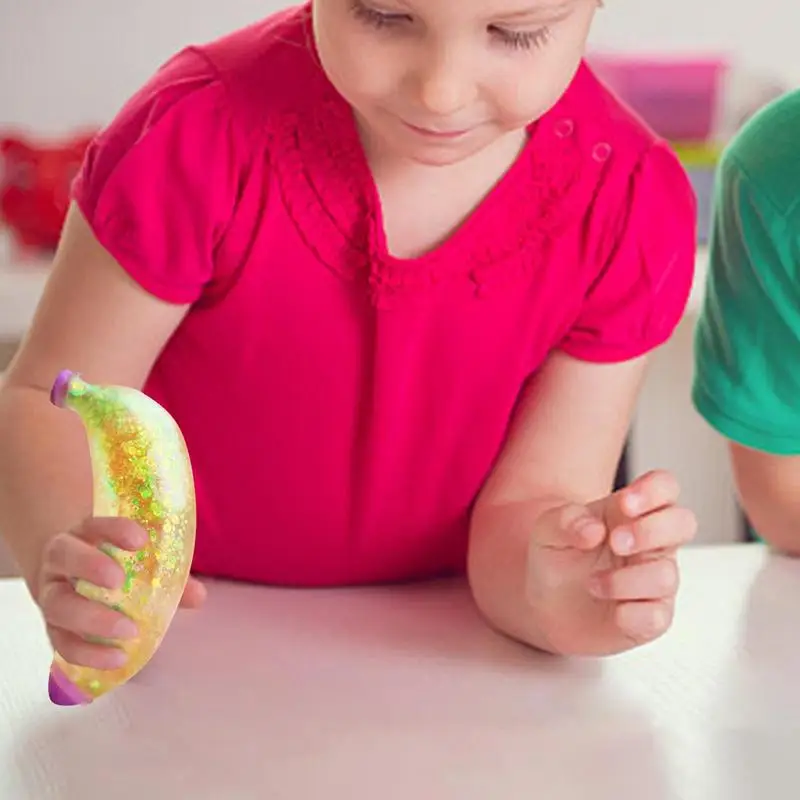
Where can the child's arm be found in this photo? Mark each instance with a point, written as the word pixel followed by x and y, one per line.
pixel 555 559
pixel 94 319
pixel 563 449
pixel 767 488
pixel 747 345
pixel 156 193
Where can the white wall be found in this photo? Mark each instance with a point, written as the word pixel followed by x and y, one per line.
pixel 760 36
pixel 69 62
pixel 669 434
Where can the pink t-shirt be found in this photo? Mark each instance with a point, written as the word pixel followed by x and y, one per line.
pixel 343 407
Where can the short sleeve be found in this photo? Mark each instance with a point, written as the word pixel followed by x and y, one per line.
pixel 158 185
pixel 643 286
pixel 747 341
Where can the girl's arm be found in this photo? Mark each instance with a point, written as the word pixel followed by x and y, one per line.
pixel 157 192
pixel 93 319
pixel 544 567
pixel 563 448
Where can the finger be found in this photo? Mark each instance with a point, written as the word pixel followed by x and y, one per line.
pixel 643 621
pixel 650 580
pixel 77 651
pixel 63 608
pixel 671 527
pixel 118 531
pixel 648 493
pixel 66 556
pixel 652 555
pixel 570 526
pixel 194 595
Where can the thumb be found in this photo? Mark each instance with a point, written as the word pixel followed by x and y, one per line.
pixel 570 526
pixel 194 595
pixel 612 509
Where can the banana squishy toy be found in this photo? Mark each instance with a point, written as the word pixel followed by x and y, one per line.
pixel 141 470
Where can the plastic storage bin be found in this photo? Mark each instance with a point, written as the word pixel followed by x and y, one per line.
pixel 677 98
pixel 700 163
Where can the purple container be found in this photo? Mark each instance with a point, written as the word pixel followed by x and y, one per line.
pixel 678 98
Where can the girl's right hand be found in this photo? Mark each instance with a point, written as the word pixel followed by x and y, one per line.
pixel 72 620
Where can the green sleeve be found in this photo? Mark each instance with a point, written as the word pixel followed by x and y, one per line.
pixel 747 342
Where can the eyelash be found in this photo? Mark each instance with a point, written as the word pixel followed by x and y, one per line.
pixel 524 40
pixel 515 40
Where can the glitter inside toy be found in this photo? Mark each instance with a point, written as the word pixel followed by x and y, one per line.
pixel 141 470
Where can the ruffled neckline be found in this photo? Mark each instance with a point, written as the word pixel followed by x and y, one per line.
pixel 329 192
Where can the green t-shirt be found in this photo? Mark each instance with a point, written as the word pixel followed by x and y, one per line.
pixel 747 341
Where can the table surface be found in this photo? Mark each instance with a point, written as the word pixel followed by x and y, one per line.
pixel 384 693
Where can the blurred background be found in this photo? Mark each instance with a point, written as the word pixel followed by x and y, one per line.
pixel 694 70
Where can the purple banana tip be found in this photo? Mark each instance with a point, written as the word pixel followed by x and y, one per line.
pixel 58 394
pixel 62 692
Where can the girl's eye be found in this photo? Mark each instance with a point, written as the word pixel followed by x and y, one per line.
pixel 377 19
pixel 513 39
pixel 522 40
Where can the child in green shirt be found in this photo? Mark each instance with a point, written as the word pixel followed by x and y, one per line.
pixel 747 343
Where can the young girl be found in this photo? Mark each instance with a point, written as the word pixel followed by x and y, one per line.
pixel 394 266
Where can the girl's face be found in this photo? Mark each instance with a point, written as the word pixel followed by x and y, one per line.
pixel 438 80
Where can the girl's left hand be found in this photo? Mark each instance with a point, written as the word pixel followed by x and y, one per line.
pixel 603 577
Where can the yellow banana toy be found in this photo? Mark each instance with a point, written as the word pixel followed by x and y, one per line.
pixel 141 470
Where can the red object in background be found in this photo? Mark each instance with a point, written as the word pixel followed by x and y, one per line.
pixel 35 182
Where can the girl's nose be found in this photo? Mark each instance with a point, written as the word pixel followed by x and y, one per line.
pixel 446 84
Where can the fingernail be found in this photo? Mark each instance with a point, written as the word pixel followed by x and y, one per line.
pixel 633 502
pixel 585 523
pixel 133 544
pixel 139 539
pixel 584 533
pixel 112 577
pixel 125 629
pixel 622 542
pixel 118 658
pixel 643 621
pixel 580 524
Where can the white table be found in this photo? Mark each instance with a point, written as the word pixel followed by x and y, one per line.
pixel 401 693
